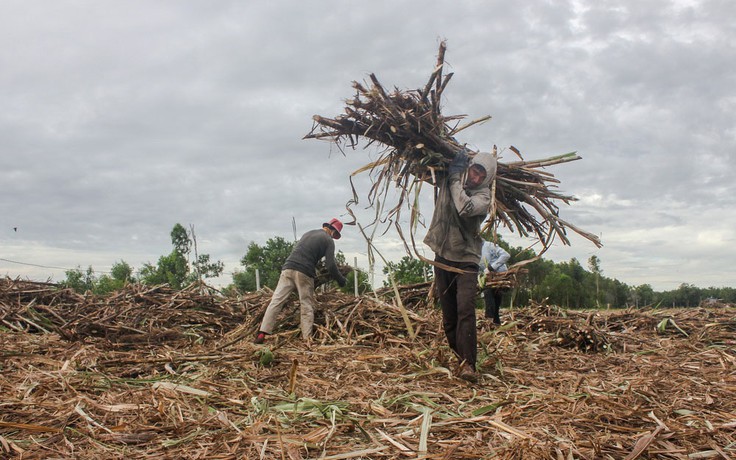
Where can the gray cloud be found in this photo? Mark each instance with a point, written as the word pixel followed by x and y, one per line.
pixel 122 119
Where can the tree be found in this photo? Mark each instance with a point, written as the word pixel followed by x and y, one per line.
pixel 530 286
pixel 582 283
pixel 171 269
pixel 174 269
pixel 643 295
pixel 120 274
pixel 267 259
pixel 725 294
pixel 408 271
pixel 180 239
pixel 121 271
pixel 594 265
pixel 687 295
pixel 80 281
pixel 620 293
pixel 204 268
pixel 559 288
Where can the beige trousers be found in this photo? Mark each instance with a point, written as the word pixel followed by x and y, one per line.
pixel 290 281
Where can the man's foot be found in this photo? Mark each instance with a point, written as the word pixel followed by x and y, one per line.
pixel 468 372
pixel 260 338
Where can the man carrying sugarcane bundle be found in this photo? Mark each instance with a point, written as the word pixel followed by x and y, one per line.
pixel 454 236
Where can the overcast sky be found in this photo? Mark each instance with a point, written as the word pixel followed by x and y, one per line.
pixel 121 119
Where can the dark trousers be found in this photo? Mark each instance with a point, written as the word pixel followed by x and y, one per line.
pixel 457 293
pixel 492 298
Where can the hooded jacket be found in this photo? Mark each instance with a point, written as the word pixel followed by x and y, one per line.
pixel 454 233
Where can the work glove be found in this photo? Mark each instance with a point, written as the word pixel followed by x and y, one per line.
pixel 459 164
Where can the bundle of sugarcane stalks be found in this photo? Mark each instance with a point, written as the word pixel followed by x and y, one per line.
pixel 506 280
pixel 420 142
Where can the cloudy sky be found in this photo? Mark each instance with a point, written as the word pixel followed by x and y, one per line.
pixel 121 119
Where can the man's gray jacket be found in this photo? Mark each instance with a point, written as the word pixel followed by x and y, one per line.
pixel 454 233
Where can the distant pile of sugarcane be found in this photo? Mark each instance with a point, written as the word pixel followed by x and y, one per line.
pixel 420 142
pixel 508 279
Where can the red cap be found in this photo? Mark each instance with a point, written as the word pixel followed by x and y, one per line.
pixel 335 225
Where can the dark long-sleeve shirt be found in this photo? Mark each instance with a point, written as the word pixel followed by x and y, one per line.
pixel 308 251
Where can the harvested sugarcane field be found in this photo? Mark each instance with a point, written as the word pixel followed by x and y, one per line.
pixel 432 182
pixel 149 372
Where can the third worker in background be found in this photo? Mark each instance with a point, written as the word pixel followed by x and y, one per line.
pixel 492 260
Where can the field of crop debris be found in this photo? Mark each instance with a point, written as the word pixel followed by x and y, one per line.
pixel 153 373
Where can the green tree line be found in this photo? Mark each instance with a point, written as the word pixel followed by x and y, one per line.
pixel 567 284
pixel 177 269
pixel 571 285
